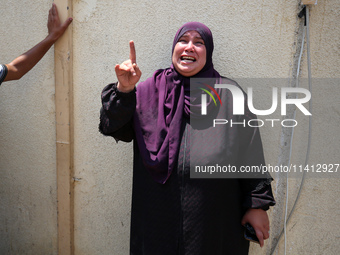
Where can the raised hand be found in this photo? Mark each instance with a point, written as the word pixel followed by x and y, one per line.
pixel 55 28
pixel 128 73
pixel 25 62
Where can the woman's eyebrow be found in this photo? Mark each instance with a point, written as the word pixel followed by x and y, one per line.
pixel 195 37
pixel 184 36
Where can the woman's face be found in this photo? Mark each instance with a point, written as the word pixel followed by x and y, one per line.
pixel 190 54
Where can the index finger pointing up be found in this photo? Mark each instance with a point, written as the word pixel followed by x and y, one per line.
pixel 132 52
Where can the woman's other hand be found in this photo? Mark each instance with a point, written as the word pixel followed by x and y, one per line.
pixel 258 218
pixel 128 73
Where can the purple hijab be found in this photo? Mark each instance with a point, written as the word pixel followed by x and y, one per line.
pixel 161 102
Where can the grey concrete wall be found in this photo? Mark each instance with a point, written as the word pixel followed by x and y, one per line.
pixel 253 39
pixel 28 202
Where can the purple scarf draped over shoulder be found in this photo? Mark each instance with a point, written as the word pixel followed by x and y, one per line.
pixel 162 101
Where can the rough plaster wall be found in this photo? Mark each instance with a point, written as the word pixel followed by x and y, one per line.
pixel 252 39
pixel 28 216
pixel 317 212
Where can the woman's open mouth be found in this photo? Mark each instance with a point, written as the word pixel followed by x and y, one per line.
pixel 187 59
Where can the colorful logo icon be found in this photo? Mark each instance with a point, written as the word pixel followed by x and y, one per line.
pixel 209 93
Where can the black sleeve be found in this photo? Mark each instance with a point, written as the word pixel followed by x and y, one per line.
pixel 117 113
pixel 257 191
pixel 260 196
pixel 3 73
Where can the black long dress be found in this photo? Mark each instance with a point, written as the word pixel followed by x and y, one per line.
pixel 185 215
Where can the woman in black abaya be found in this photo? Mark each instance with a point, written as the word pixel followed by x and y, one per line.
pixel 171 212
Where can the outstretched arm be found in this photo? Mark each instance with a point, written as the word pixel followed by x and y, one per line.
pixel 24 63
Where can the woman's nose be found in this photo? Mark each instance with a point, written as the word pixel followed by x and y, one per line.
pixel 190 46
